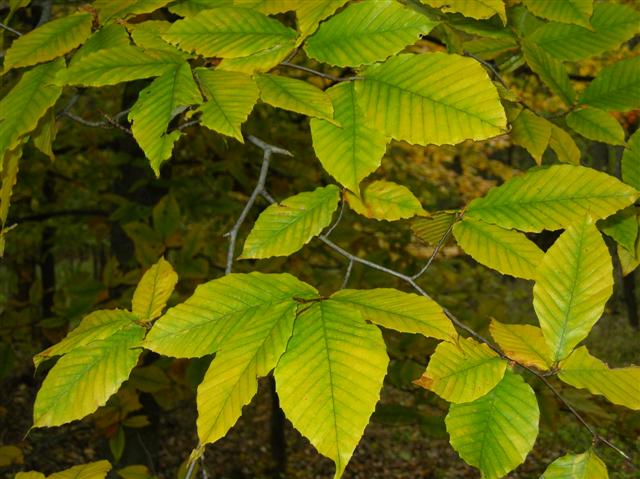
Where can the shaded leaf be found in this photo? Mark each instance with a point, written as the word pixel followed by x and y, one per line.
pixel 294 95
pixel 93 470
pixel 550 70
pixel 622 227
pixel 262 61
pixel 531 132
pixel 617 87
pixel 596 125
pixel 385 200
pixel 563 145
pixel 310 14
pixel 631 161
pixel 567 11
pixel 471 8
pixel 431 230
pixel 109 36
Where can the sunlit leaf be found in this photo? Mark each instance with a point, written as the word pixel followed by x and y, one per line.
pixel 153 290
pixel 531 132
pixel 109 36
pixel 617 87
pixel 262 61
pixel 93 470
pixel 577 466
pixel 385 200
pixel 110 10
pixel 471 8
pixel 575 280
pixel 523 343
pixel 310 14
pixel 566 11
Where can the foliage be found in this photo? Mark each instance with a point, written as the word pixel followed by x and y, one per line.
pixel 376 73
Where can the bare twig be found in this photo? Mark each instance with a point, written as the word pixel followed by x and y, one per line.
pixel 317 73
pixel 338 219
pixel 488 65
pixel 347 275
pixel 436 250
pixel 9 29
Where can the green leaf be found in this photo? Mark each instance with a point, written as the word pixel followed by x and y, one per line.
pixel 167 96
pixel 96 326
pixel 612 24
pixel 188 8
pixel 251 351
pixel 226 108
pixel 550 70
pixel 563 145
pixel 203 323
pixel 462 372
pixel 631 161
pixel 617 87
pixel 149 35
pixel 32 97
pixel 48 41
pixel 294 95
pixel 367 32
pixel 262 61
pixel 431 98
pixel 9 167
pixel 405 312
pixel 109 36
pixel 506 251
pixel 92 470
pixel 531 132
pixel 622 227
pixel 523 343
pixel 552 198
pixel 268 7
pixel 596 125
pixel 283 228
pixel 310 14
pixel 619 385
pixel 153 290
pixel 83 379
pixel 566 11
pixel 385 200
pixel 575 280
pixel 45 133
pixel 629 261
pixel 352 151
pixel 431 230
pixel 110 66
pixel 228 32
pixel 490 48
pixel 577 466
pixel 479 9
pixel 330 377
pixel 496 432
pixel 110 10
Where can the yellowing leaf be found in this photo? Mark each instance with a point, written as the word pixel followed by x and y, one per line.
pixel 507 251
pixel 577 466
pixel 48 41
pixel 330 377
pixel 552 198
pixel 32 97
pixel 631 161
pixel 149 35
pixel 566 11
pixel 575 280
pixel 496 432
pixel 550 70
pixel 93 470
pixel 431 230
pixel 45 133
pixel 262 61
pixel 153 290
pixel 367 32
pixel 619 385
pixel 385 200
pixel 471 8
pixel 523 343
pixel 431 98
pixel 531 132
pixel 85 378
pixel 110 10
pixel 228 32
pixel 109 36
pixel 30 475
pixel 294 95
pixel 226 108
pixel 617 87
pixel 462 372
pixel 188 8
pixel 563 145
pixel 203 323
pixel 284 228
pixel 353 150
pixel 9 169
pixel 622 227
pixel 157 105
pixel 596 125
pixel 268 7
pixel 404 312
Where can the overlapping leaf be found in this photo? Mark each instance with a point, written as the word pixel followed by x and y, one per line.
pixel 552 198
pixel 353 150
pixel 617 87
pixel 462 372
pixel 431 98
pixel 48 41
pixel 631 161
pixel 284 228
pixel 619 385
pixel 226 108
pixel 622 227
pixel 567 11
pixel 8 177
pixel 268 7
pixel 92 470
pixel 496 432
pixel 294 95
pixel 575 280
pixel 149 35
pixel 215 312
pixel 404 312
pixel 471 8
pixel 310 14
pixel 612 24
pixel 523 343
pixel 563 145
pixel 531 132
pixel 596 125
pixel 83 379
pixel 577 466
pixel 431 230
pixel 153 290
pixel 385 200
pixel 187 8
pixel 109 36
pixel 110 10
pixel 550 70
pixel 367 32
pixel 262 61
pixel 228 32
pixel 157 105
pixel 27 102
pixel 507 251
pixel 330 377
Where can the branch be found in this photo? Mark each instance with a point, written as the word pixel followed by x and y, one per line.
pixel 9 29
pixel 436 250
pixel 320 74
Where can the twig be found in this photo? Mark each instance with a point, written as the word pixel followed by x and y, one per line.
pixel 347 275
pixel 493 70
pixel 338 219
pixel 320 74
pixel 9 29
pixel 436 250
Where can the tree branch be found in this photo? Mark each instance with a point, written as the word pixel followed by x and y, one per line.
pixel 317 73
pixel 9 29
